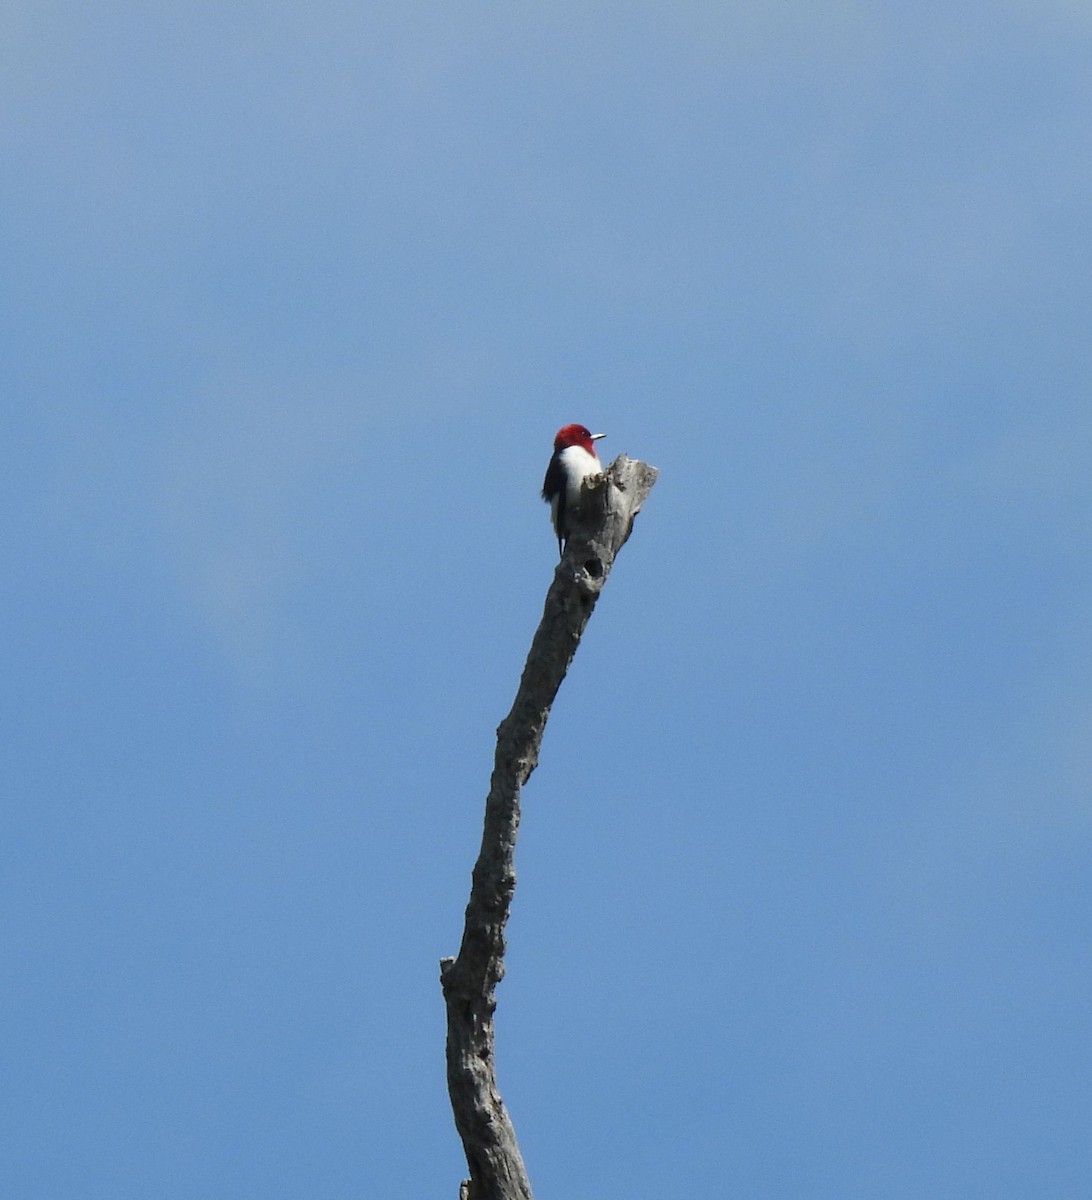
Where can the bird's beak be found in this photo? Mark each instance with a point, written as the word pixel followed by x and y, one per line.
pixel 594 436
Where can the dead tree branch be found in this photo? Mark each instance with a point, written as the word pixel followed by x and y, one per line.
pixel 600 528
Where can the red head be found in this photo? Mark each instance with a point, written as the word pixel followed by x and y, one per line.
pixel 576 435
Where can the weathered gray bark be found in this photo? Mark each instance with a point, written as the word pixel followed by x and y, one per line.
pixel 603 523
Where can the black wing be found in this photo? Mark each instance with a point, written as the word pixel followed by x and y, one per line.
pixel 553 492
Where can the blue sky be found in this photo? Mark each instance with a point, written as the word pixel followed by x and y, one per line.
pixel 295 299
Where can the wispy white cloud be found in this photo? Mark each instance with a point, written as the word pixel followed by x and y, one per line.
pixel 236 491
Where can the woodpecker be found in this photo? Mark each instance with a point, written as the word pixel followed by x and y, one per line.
pixel 573 460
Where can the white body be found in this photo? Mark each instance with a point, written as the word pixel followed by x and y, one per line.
pixel 577 464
